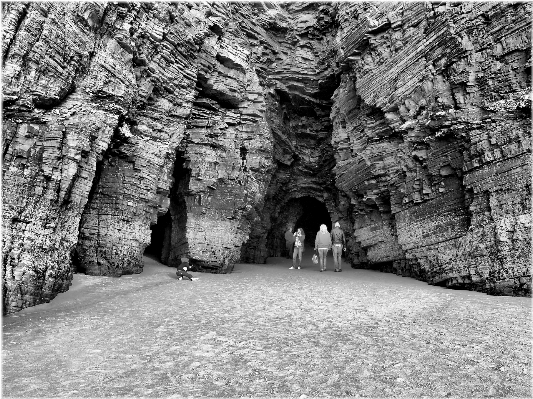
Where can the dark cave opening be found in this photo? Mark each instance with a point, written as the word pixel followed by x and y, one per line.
pixel 159 233
pixel 168 240
pixel 314 214
pixel 305 212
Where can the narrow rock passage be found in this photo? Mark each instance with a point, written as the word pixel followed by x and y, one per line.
pixel 264 330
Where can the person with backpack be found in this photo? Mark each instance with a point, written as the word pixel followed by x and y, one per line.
pixel 289 241
pixel 339 244
pixel 322 244
pixel 299 238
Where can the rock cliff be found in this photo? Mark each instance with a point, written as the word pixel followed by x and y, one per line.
pixel 432 136
pixel 203 129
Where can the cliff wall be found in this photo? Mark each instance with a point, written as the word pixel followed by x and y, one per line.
pixel 99 99
pixel 208 124
pixel 432 138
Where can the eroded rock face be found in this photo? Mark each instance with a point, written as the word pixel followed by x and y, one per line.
pixel 98 100
pixel 303 77
pixel 432 137
pixel 409 122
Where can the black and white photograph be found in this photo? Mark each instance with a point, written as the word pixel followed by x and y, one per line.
pixel 266 199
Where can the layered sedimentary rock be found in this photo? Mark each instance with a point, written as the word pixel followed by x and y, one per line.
pixel 432 137
pixel 206 128
pixel 98 100
pixel 302 76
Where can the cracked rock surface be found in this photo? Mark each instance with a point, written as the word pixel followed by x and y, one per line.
pixel 208 125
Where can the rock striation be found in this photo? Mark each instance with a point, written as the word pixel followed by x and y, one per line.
pixel 99 100
pixel 436 157
pixel 203 129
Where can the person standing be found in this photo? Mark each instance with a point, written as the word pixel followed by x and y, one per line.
pixel 338 245
pixel 289 241
pixel 323 244
pixel 299 238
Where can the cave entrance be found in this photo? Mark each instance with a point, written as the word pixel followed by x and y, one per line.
pixel 305 212
pixel 314 214
pixel 168 240
pixel 160 232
